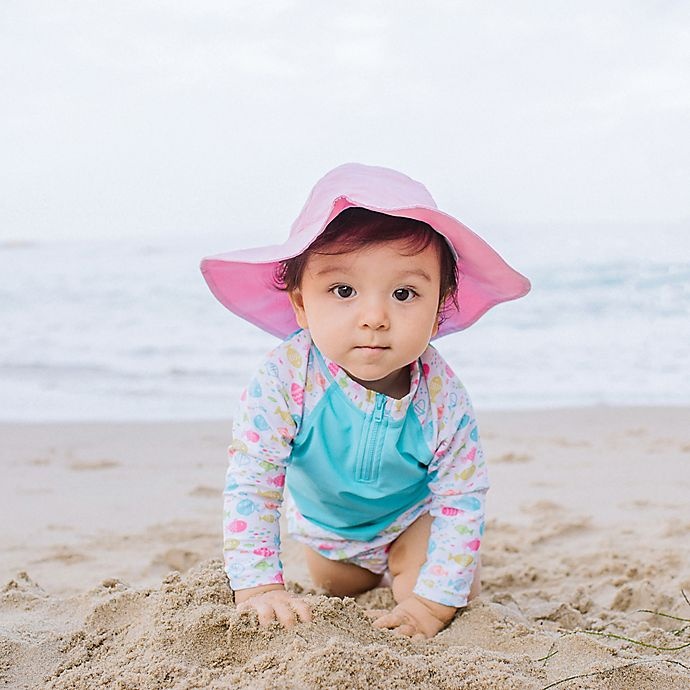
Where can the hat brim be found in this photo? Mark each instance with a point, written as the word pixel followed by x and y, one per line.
pixel 244 280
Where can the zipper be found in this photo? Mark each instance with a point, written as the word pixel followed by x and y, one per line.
pixel 368 466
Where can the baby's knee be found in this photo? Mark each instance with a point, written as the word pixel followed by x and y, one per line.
pixel 337 578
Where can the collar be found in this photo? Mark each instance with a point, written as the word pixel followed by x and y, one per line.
pixel 364 398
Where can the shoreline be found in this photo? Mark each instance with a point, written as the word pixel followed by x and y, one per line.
pixel 537 409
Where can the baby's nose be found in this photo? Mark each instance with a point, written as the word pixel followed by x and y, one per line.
pixel 374 315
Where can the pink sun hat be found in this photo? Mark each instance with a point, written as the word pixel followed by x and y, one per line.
pixel 243 280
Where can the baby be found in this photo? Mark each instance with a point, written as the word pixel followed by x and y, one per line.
pixel 355 414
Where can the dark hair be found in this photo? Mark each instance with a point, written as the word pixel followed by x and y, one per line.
pixel 357 227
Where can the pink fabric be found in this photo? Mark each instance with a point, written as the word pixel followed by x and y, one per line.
pixel 243 280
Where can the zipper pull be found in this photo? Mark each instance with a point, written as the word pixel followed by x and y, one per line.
pixel 380 407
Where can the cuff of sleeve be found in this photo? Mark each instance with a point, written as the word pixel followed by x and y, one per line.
pixel 442 595
pixel 257 580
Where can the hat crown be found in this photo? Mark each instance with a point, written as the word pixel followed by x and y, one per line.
pixel 356 184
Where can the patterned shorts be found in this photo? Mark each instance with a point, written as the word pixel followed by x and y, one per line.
pixel 372 554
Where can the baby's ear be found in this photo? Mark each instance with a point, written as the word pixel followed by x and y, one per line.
pixel 434 330
pixel 297 303
pixel 439 318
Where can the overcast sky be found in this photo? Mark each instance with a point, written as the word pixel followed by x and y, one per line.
pixel 158 120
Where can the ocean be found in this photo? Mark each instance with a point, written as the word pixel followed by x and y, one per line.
pixel 128 330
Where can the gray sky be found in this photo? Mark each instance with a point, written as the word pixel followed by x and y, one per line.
pixel 215 117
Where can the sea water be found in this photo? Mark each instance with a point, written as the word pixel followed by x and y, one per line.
pixel 128 330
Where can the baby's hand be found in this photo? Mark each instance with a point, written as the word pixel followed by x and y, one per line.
pixel 416 617
pixel 274 603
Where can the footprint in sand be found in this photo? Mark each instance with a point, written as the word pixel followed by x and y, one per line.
pixel 205 492
pixel 88 465
pixel 63 554
pixel 513 458
pixel 541 507
pixel 560 529
pixel 177 559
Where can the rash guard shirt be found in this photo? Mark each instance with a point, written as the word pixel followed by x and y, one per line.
pixel 354 461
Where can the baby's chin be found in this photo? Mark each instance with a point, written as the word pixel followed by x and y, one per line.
pixel 374 380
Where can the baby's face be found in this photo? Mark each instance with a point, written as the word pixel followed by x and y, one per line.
pixel 372 311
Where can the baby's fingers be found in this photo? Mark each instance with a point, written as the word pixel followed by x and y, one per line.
pixel 399 624
pixel 265 611
pixel 393 619
pixel 406 630
pixel 288 611
pixel 284 611
pixel 302 609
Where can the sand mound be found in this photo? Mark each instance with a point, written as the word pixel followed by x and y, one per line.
pixel 187 634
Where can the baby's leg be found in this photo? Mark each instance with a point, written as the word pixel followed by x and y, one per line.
pixel 408 554
pixel 338 578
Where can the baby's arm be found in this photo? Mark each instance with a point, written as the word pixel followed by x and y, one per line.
pixel 414 615
pixel 451 533
pixel 459 482
pixel 262 434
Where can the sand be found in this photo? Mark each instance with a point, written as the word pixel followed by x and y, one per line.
pixel 110 574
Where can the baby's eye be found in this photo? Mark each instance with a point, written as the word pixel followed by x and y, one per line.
pixel 404 294
pixel 343 291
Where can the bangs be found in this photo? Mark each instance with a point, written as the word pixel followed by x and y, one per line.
pixel 356 228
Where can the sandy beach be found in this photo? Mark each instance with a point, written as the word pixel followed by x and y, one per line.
pixel 110 574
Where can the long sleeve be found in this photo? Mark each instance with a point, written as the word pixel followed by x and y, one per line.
pixel 458 485
pixel 263 430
